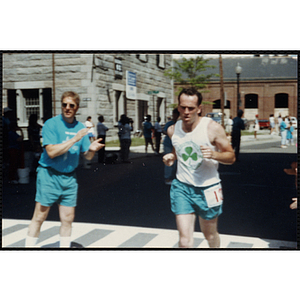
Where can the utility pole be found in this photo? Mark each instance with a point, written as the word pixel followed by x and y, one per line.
pixel 221 88
pixel 53 84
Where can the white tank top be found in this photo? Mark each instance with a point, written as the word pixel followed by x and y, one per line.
pixel 191 167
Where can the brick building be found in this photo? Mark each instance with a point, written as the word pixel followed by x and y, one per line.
pixel 34 83
pixel 268 85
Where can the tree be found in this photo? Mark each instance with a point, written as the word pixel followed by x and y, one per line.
pixel 189 73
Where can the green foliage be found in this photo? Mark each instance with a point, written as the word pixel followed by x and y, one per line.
pixel 187 72
pixel 173 105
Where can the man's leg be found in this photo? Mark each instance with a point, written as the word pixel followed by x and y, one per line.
pixel 151 142
pixel 66 215
pixel 39 216
pixel 209 229
pixel 185 225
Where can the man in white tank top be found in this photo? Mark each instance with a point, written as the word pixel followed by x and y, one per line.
pixel 199 145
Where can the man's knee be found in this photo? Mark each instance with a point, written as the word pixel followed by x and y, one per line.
pixel 67 217
pixel 210 236
pixel 40 214
pixel 186 242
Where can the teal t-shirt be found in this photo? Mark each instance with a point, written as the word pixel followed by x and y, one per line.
pixel 56 131
pixel 282 126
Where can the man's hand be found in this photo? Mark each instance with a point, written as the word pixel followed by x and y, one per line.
pixel 80 134
pixel 96 145
pixel 207 152
pixel 169 159
pixel 294 204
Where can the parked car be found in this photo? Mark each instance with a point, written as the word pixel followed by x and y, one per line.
pixel 264 123
pixel 215 116
pixel 246 123
pixel 294 121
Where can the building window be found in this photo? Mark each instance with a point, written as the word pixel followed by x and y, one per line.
pixel 142 57
pixel 161 61
pixel 217 104
pixel 118 69
pixel 31 101
pixel 281 100
pixel 251 101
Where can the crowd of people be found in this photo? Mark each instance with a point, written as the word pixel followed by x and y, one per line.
pixel 15 146
pixel 286 131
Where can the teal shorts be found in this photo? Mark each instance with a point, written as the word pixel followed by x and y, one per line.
pixel 56 187
pixel 187 199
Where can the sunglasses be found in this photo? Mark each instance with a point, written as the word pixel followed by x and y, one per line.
pixel 64 105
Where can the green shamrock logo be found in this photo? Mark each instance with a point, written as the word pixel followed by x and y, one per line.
pixel 189 154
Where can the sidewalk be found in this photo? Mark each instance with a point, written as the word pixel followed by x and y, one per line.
pixel 139 151
pixel 87 235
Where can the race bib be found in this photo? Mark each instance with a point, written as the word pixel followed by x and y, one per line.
pixel 214 196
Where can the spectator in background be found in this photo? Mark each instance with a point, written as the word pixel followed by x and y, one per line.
pixel 6 119
pixel 279 120
pixel 289 135
pixel 229 124
pixel 148 128
pixel 125 137
pixel 272 123
pixel 287 120
pixel 157 133
pixel 283 133
pixel 238 125
pixel 256 126
pixel 15 151
pixel 34 137
pixel 101 133
pixel 170 171
pixel 89 124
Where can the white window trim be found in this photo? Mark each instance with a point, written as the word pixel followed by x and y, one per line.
pixel 161 61
pixel 143 57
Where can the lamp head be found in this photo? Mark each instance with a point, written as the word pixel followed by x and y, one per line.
pixel 238 69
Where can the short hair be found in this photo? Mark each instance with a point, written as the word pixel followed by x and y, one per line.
pixel 240 113
pixel 71 94
pixel 191 92
pixel 101 118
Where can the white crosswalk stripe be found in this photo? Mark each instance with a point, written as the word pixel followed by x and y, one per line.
pixel 115 236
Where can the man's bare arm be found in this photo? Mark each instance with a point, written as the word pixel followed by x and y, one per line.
pixel 217 137
pixel 170 158
pixel 54 150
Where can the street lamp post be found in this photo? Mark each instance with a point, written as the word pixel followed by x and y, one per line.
pixel 238 71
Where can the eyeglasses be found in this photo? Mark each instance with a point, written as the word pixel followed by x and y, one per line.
pixel 64 105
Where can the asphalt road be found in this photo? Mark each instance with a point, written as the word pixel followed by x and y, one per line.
pixel 257 194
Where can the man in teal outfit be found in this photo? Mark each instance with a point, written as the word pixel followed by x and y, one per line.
pixel 64 138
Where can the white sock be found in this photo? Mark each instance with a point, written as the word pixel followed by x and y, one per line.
pixel 64 241
pixel 30 241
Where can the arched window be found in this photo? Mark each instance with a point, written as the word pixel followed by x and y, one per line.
pixel 217 104
pixel 251 101
pixel 281 100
